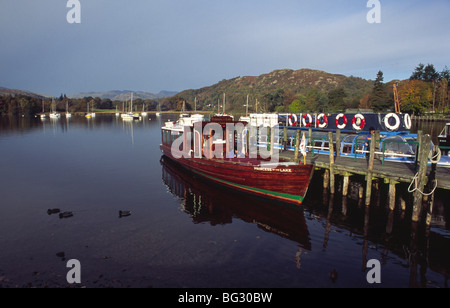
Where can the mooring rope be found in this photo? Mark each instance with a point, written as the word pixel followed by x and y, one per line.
pixel 414 181
pixel 434 158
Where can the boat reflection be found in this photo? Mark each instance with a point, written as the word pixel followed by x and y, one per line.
pixel 208 203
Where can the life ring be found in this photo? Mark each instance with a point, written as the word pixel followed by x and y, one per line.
pixel 290 120
pixel 322 120
pixel 307 115
pixel 343 125
pixel 388 125
pixel 407 120
pixel 359 122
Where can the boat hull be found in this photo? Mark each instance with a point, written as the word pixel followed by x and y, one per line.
pixel 287 183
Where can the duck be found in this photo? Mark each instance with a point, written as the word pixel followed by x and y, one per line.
pixel 333 275
pixel 65 215
pixel 124 214
pixel 53 211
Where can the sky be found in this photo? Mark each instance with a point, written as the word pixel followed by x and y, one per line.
pixel 174 45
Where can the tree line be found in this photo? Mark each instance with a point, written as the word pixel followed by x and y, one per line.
pixel 427 90
pixel 18 104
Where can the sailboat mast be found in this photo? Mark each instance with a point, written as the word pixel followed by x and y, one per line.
pixel 246 110
pixel 131 102
pixel 223 103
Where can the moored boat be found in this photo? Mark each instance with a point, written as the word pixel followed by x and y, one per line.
pixel 278 180
pixel 444 138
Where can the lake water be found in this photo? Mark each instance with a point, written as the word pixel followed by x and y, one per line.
pixel 184 232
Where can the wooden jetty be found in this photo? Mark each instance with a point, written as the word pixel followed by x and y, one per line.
pixel 372 168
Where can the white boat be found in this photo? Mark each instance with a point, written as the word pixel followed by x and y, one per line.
pixel 43 115
pixel 68 114
pixel 130 115
pixel 158 113
pixel 143 113
pixel 54 114
pixel 89 114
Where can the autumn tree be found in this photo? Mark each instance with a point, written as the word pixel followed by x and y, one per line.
pixel 415 96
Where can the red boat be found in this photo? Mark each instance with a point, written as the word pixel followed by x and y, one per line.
pixel 283 181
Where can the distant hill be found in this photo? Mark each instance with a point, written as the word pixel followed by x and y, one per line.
pixel 123 95
pixel 6 91
pixel 285 83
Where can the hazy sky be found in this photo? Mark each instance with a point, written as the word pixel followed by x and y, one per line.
pixel 154 45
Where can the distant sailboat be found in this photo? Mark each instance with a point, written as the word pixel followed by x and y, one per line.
pixel 158 113
pixel 53 114
pixel 68 114
pixel 88 114
pixel 144 113
pixel 43 115
pixel 130 115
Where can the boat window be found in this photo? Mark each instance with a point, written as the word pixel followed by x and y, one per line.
pixel 347 149
pixel 348 139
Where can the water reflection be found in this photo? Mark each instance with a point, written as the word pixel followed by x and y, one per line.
pixel 387 232
pixel 208 203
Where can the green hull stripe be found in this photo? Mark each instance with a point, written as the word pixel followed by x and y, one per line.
pixel 267 192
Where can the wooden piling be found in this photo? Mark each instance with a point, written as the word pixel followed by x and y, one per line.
pixel 285 138
pixel 361 192
pixel 326 179
pixel 370 169
pixel 332 178
pixel 424 151
pixel 297 144
pixel 345 185
pixel 392 193
pixel 338 143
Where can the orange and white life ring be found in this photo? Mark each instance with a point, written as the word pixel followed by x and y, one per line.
pixel 359 122
pixel 388 125
pixel 322 120
pixel 338 118
pixel 291 121
pixel 407 120
pixel 310 121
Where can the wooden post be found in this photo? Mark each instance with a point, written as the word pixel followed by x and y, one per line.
pixel 421 177
pixel 419 141
pixel 345 185
pixel 392 184
pixel 330 141
pixel 338 143
pixel 403 203
pixel 285 139
pixel 326 179
pixel 297 144
pixel 370 169
pixel 361 192
pixel 430 187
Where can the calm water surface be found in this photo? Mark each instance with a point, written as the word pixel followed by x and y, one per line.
pixel 184 232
